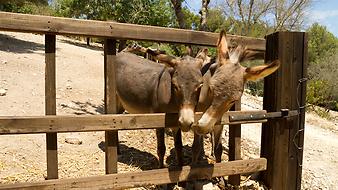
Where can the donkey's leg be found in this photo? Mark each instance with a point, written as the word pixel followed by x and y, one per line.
pixel 217 142
pixel 178 145
pixel 197 148
pixel 120 110
pixel 212 137
pixel 160 146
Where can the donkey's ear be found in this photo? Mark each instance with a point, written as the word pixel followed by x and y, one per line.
pixel 258 72
pixel 188 50
pixel 202 57
pixel 164 88
pixel 222 48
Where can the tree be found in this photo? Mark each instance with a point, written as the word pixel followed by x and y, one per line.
pixel 204 14
pixel 323 67
pixel 274 14
pixel 146 12
pixel 321 43
pixel 177 5
pixel 25 6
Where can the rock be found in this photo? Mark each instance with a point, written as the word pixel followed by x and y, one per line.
pixel 3 92
pixel 4 62
pixel 178 188
pixel 204 185
pixel 73 140
pixel 68 85
pixel 251 184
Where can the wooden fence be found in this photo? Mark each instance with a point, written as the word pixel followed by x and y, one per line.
pixel 282 135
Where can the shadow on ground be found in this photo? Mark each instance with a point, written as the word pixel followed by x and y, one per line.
pixel 12 44
pixel 83 108
pixel 134 157
pixel 187 157
pixel 81 44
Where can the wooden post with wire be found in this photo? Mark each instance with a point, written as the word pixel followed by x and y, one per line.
pixel 282 139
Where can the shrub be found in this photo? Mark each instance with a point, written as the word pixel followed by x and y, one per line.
pixel 322 89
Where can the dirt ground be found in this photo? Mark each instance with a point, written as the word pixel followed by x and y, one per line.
pixel 80 91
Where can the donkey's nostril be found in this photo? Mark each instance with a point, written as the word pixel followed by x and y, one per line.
pixel 186 119
pixel 185 125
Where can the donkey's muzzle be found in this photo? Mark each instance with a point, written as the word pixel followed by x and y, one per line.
pixel 186 118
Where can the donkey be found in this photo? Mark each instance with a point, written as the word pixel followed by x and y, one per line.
pixel 144 86
pixel 223 85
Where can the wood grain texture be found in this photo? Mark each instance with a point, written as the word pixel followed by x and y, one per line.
pixel 235 145
pixel 302 102
pixel 280 91
pixel 110 104
pixel 66 26
pixel 150 177
pixel 86 123
pixel 50 105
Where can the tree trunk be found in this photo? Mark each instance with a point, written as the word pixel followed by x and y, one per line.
pixel 204 14
pixel 178 12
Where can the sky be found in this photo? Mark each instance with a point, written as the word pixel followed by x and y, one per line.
pixel 325 12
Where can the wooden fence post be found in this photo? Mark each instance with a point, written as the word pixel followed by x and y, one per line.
pixel 50 105
pixel 110 102
pixel 282 140
pixel 235 144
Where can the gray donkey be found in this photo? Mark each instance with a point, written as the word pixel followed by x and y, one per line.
pixel 144 86
pixel 223 84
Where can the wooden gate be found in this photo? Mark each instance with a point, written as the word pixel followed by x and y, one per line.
pixel 282 133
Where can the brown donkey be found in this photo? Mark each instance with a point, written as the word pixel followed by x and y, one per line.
pixel 223 84
pixel 144 86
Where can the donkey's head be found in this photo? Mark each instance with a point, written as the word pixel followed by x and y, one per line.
pixel 186 82
pixel 227 82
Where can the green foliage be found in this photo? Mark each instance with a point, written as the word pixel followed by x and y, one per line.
pixel 322 88
pixel 255 88
pixel 321 43
pixel 216 20
pixel 39 7
pixel 146 12
pixel 192 20
pixel 323 67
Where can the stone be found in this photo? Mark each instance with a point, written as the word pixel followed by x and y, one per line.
pixel 3 92
pixel 73 140
pixel 205 185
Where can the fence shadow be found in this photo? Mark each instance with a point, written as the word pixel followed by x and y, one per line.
pixel 11 44
pixel 134 157
pixel 81 44
pixel 83 108
pixel 187 157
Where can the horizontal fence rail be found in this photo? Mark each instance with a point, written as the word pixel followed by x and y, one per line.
pixel 284 113
pixel 85 123
pixel 149 177
pixel 67 26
